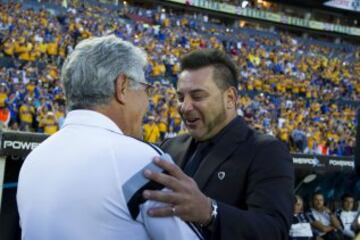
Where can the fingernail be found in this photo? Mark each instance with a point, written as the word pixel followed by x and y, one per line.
pixel 147 173
pixel 156 159
pixel 150 212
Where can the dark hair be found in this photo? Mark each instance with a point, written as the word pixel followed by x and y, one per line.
pixel 347 195
pixel 225 71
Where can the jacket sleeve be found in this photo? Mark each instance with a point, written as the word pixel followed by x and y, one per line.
pixel 269 198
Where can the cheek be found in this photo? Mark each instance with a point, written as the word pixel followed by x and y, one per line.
pixel 178 108
pixel 145 105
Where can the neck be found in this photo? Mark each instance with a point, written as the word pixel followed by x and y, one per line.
pixel 118 115
pixel 229 117
pixel 319 209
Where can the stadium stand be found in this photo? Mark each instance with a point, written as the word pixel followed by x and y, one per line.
pixel 289 86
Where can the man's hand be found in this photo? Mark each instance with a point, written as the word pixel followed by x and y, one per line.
pixel 186 200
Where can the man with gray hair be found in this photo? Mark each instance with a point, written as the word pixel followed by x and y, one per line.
pixel 79 183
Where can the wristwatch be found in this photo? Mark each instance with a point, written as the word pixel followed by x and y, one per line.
pixel 213 216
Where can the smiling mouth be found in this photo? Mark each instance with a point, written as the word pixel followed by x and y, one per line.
pixel 192 121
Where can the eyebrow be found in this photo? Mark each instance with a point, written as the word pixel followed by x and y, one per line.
pixel 198 90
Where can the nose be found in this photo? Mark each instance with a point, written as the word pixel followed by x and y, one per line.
pixel 186 105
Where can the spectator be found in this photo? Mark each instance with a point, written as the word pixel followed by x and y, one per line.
pixel 346 215
pixel 324 222
pixel 300 227
pixel 151 131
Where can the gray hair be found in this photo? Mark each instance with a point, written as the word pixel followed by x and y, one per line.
pixel 90 71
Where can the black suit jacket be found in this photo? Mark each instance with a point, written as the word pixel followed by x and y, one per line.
pixel 255 196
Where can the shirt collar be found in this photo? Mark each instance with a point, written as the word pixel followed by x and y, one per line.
pixel 319 212
pixel 92 119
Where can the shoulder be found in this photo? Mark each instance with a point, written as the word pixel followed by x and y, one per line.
pixel 265 145
pixel 270 155
pixel 134 145
pixel 310 215
pixel 152 146
pixel 265 142
pixel 131 156
pixel 175 140
pixel 338 212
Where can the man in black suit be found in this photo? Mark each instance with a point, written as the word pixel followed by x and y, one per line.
pixel 234 182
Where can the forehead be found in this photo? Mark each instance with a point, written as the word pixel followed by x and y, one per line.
pixel 201 78
pixel 318 197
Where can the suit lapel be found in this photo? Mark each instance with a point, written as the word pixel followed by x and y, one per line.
pixel 180 152
pixel 220 152
pixel 178 148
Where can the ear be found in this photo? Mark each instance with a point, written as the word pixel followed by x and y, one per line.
pixel 231 98
pixel 121 88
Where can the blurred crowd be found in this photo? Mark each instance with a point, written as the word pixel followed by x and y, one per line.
pixel 303 93
pixel 297 10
